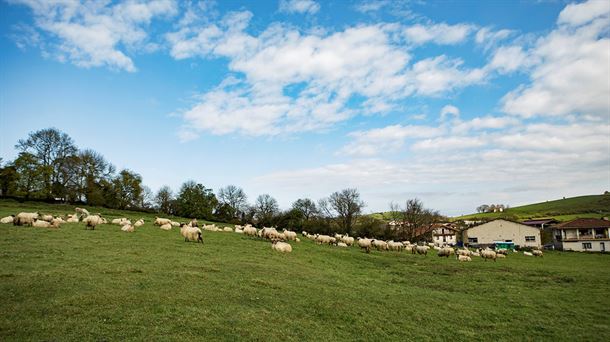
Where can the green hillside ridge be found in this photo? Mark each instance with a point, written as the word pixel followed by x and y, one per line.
pixel 591 206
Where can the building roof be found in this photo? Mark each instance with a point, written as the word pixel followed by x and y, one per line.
pixel 538 222
pixel 498 219
pixel 584 223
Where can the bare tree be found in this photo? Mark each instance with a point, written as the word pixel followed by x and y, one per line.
pixel 164 199
pixel 347 204
pixel 235 198
pixel 265 207
pixel 306 207
pixel 414 220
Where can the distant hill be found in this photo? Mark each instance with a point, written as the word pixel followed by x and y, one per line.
pixel 595 206
pixel 562 210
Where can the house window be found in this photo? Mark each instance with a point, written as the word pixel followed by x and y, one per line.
pixel 586 245
pixel 473 240
pixel 530 239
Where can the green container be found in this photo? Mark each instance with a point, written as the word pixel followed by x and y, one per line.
pixel 505 245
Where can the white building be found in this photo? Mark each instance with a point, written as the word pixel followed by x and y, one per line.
pixel 502 230
pixel 444 234
pixel 583 235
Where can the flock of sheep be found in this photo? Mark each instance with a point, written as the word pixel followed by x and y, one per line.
pixel 279 240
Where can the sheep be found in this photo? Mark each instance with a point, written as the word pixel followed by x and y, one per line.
pixel 365 244
pixel 463 257
pixel 7 219
pixel 174 224
pixel 537 253
pixel 250 231
pixel 166 226
pixel 139 223
pixel 422 250
pixel 488 254
pixel 161 221
pixel 118 221
pixel 445 252
pixel 82 212
pixel 297 240
pixel 502 251
pixel 395 246
pixel 269 233
pixel 210 227
pixel 500 256
pixel 227 229
pixel 191 233
pixel 380 245
pixel 304 233
pixel 475 254
pixel 320 239
pixel 281 247
pixel 290 235
pixel 527 253
pixel 72 218
pixel 464 252
pixel 25 218
pixel 45 224
pixel 128 228
pixel 430 244
pixel 239 230
pixel 348 240
pixel 92 220
pixel 47 218
pixel 341 244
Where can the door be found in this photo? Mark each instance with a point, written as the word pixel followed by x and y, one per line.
pixel 602 246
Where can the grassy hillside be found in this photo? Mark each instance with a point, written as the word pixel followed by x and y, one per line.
pixel 77 284
pixel 562 210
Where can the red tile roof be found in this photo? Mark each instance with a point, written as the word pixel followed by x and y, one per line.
pixel 584 223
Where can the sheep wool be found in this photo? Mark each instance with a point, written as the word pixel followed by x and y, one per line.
pixel 281 247
pixel 7 219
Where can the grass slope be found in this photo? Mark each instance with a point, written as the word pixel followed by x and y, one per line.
pixel 562 210
pixel 77 284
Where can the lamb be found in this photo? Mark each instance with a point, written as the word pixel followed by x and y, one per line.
pixel 528 253
pixel 365 244
pixel 7 219
pixel 463 258
pixel 166 226
pixel 25 218
pixel 161 221
pixel 422 250
pixel 128 228
pixel 488 254
pixel 281 247
pixel 139 223
pixel 191 233
pixel 92 220
pixel 537 253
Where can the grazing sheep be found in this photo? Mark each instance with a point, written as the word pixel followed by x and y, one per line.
pixel 8 219
pixel 269 233
pixel 537 253
pixel 500 256
pixel 321 239
pixel 395 246
pixel 92 220
pixel 161 221
pixel 281 247
pixel 464 252
pixel 191 233
pixel 290 235
pixel 25 219
pixel 463 258
pixel 445 252
pixel 502 251
pixel 250 231
pixel 128 228
pixel 527 253
pixel 422 250
pixel 365 244
pixel 348 240
pixel 380 245
pixel 488 254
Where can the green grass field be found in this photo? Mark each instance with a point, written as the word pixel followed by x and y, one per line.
pixel 77 284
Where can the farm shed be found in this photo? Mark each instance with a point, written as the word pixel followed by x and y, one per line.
pixel 487 234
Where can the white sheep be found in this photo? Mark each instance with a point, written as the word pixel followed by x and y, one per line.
pixel 463 258
pixel 47 218
pixel 537 253
pixel 250 231
pixel 323 239
pixel 269 233
pixel 25 219
pixel 445 252
pixel 465 252
pixel 365 244
pixel 175 224
pixel 166 226
pixel 380 245
pixel 161 221
pixel 348 240
pixel 239 230
pixel 139 223
pixel 341 244
pixel 290 235
pixel 45 224
pixel 281 247
pixel 227 229
pixel 128 228
pixel 82 212
pixel 422 250
pixel 395 246
pixel 72 218
pixel 92 220
pixel 7 219
pixel 191 233
pixel 488 254
pixel 527 253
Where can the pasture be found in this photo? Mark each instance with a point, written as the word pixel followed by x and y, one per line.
pixel 104 284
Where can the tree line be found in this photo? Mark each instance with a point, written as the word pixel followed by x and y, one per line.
pixel 51 167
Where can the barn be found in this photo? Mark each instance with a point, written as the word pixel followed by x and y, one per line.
pixel 488 233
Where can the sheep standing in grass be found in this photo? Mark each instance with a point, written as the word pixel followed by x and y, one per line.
pixel 92 220
pixel 191 233
pixel 537 253
pixel 463 258
pixel 7 219
pixel 380 245
pixel 365 244
pixel 281 247
pixel 250 231
pixel 463 252
pixel 25 219
pixel 488 254
pixel 290 235
pixel 348 240
pixel 82 212
pixel 324 239
pixel 422 250
pixel 395 246
pixel 445 252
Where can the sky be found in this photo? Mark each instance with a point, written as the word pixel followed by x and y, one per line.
pixel 457 103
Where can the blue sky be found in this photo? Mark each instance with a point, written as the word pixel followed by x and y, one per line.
pixel 456 103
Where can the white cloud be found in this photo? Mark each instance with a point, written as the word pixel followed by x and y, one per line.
pixel 572 68
pixel 371 6
pixel 299 6
pixel 89 34
pixel 438 75
pixel 507 59
pixel 386 139
pixel 449 110
pixel 489 38
pixel 438 33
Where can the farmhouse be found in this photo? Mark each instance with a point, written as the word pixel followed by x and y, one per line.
pixel 584 234
pixel 444 234
pixel 502 230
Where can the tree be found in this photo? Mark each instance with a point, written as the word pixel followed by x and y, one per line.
pixel 482 208
pixel 195 201
pixel 164 200
pixel 306 208
pixel 347 204
pixel 8 180
pixel 126 190
pixel 234 200
pixel 51 149
pixel 30 175
pixel 92 168
pixel 414 220
pixel 265 208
